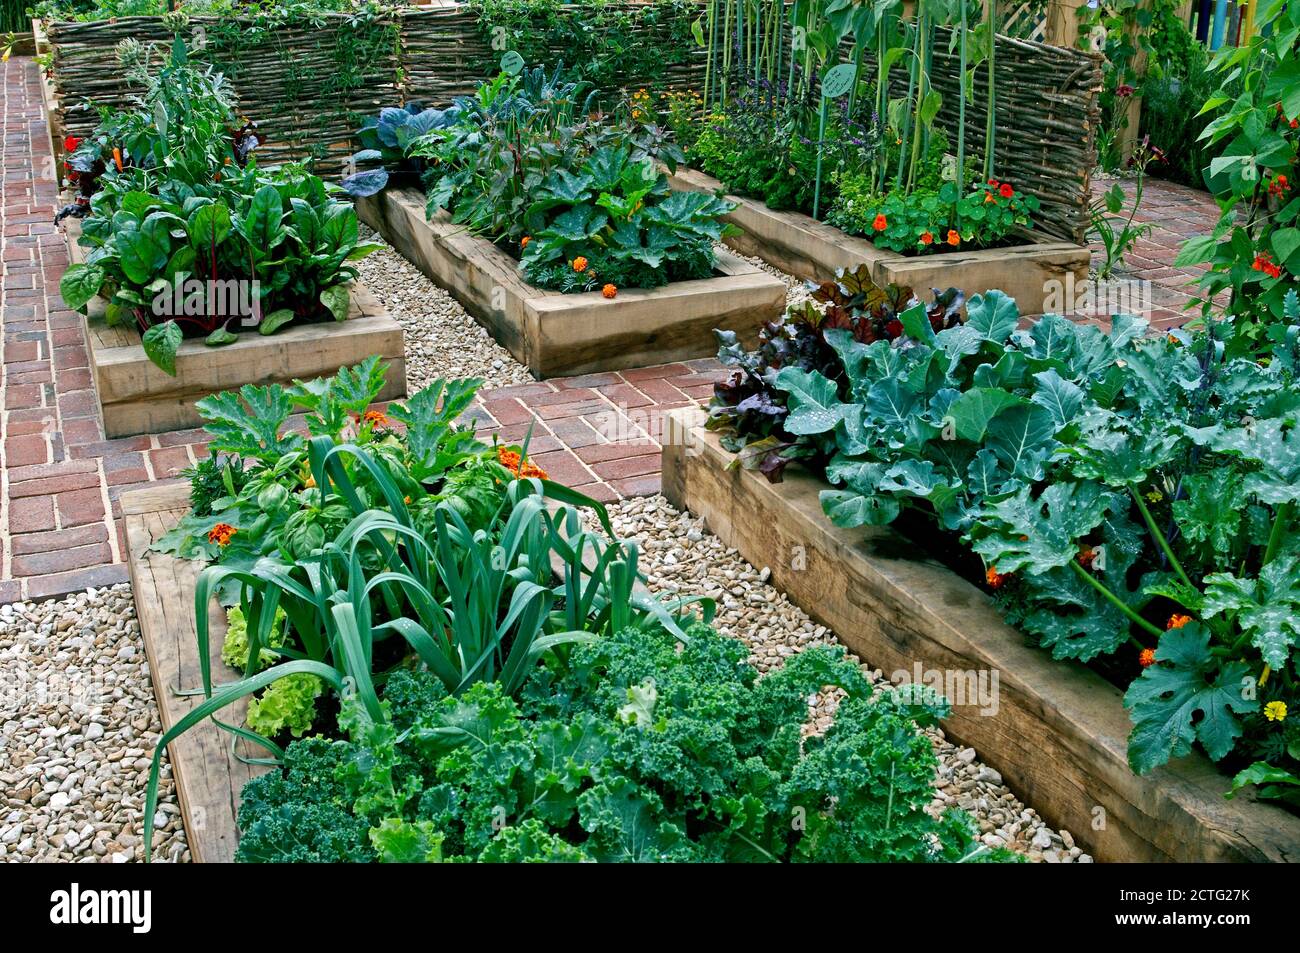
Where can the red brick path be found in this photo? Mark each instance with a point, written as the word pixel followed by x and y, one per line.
pixel 60 480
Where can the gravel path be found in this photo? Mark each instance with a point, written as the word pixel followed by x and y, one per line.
pixel 681 557
pixel 442 340
pixel 79 726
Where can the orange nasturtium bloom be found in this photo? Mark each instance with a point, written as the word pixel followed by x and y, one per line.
pixel 927 238
pixel 1177 621
pixel 221 533
pixel 579 264
pixel 523 242
pixel 881 223
pixel 953 237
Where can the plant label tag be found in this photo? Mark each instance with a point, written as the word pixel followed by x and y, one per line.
pixel 838 80
pixel 512 63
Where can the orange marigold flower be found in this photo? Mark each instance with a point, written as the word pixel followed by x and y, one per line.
pixel 995 579
pixel 609 291
pixel 988 197
pixel 376 418
pixel 1086 556
pixel 953 237
pixel 1006 191
pixel 927 238
pixel 880 223
pixel 221 534
pixel 510 460
pixel 1147 657
pixel 579 264
pixel 1177 621
pixel 523 242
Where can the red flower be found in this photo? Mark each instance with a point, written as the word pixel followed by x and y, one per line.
pixel 927 238
pixel 1086 556
pixel 953 237
pixel 1124 90
pixel 70 143
pixel 1147 657
pixel 1264 262
pixel 1006 191
pixel 993 183
pixel 881 223
pixel 894 329
pixel 221 534
pixel 1278 185
pixel 995 579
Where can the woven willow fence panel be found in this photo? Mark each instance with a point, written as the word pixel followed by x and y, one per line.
pixel 289 81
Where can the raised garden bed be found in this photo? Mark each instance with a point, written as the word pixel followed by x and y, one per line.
pixel 556 334
pixel 207 774
pixel 137 396
pixel 800 245
pixel 1059 732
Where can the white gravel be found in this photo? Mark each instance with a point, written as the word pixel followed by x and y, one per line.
pixel 680 556
pixel 442 340
pixel 79 727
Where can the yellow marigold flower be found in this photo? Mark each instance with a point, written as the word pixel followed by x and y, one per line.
pixel 1275 711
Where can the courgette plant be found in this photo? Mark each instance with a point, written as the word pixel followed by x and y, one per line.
pixel 1127 492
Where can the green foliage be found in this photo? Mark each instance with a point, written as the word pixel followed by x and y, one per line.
pixel 610 45
pixel 1113 483
pixel 1255 249
pixel 712 767
pixel 183 223
pixel 287 704
pixel 529 162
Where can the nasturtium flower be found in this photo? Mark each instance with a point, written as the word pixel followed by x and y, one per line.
pixel 1006 191
pixel 880 223
pixel 953 237
pixel 523 242
pixel 1275 711
pixel 927 238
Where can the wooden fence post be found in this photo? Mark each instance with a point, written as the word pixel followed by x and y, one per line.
pixel 1062 27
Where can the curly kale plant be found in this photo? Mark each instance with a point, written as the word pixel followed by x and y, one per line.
pixel 634 748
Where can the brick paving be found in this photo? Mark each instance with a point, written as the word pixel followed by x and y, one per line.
pixel 60 479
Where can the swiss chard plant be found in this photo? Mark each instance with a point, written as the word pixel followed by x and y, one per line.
pixel 186 237
pixel 1128 493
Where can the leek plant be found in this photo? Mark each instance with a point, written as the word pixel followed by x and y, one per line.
pixel 469 605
